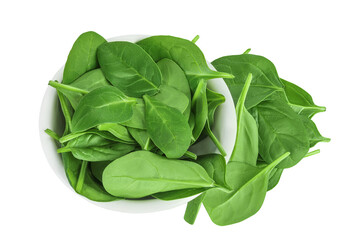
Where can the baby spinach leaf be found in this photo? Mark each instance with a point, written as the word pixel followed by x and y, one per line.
pixel 87 82
pixel 102 105
pixel 174 76
pixel 91 147
pixel 118 131
pixel 142 137
pixel 265 78
pixel 214 100
pixel 313 133
pixel 215 166
pixel 102 134
pixel 148 173
pixel 178 194
pixel 274 178
pixel 280 130
pixel 185 54
pixel 97 168
pixel 246 142
pixel 300 100
pixel 250 184
pixel 167 128
pixel 199 109
pixel 173 98
pixel 137 120
pixel 82 56
pixel 129 68
pixel 192 209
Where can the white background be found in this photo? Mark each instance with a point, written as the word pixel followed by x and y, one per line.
pixel 314 44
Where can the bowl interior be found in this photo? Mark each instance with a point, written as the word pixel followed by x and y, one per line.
pixel 51 117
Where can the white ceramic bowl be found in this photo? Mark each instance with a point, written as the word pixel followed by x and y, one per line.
pixel 51 117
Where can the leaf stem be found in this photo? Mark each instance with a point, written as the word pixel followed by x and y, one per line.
pixel 66 112
pixel 58 86
pixel 190 155
pixel 247 51
pixel 70 136
pixel 214 139
pixel 195 39
pixel 80 182
pixel 52 134
pixel 63 150
pixel 312 153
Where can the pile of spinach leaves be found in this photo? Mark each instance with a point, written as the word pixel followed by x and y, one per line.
pixel 132 111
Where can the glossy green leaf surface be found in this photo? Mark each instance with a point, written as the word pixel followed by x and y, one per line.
pixel 173 98
pixel 92 147
pixel 192 209
pixel 280 131
pixel 97 169
pixel 185 54
pixel 250 185
pixel 199 109
pixel 118 131
pixel 88 81
pixel 82 57
pixel 102 105
pixel 313 133
pixel 214 100
pixel 142 137
pixel 148 173
pixel 168 128
pixel 274 178
pixel 137 120
pixel 300 100
pixel 265 78
pixel 129 68
pixel 215 166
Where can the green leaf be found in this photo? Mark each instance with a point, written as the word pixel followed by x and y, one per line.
pixel 192 209
pixel 148 173
pixel 214 100
pixel 215 166
pixel 274 179
pixel 137 120
pixel 199 109
pixel 281 130
pixel 97 168
pixel 300 100
pixel 185 54
pixel 129 68
pixel 92 147
pixel 313 133
pixel 142 138
pixel 102 134
pixel 92 188
pixel 265 78
pixel 82 56
pixel 167 127
pixel 246 146
pixel 87 82
pixel 250 184
pixel 173 98
pixel 178 194
pixel 118 131
pixel 102 105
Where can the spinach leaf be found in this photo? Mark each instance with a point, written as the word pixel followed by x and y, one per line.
pixel 185 54
pixel 174 76
pixel 148 173
pixel 274 178
pixel 265 78
pixel 129 68
pixel 102 134
pixel 300 100
pixel 199 109
pixel 87 82
pixel 173 98
pixel 215 166
pixel 142 138
pixel 192 209
pixel 313 133
pixel 91 147
pixel 214 100
pixel 167 128
pixel 97 168
pixel 137 120
pixel 82 56
pixel 102 105
pixel 246 143
pixel 178 194
pixel 250 184
pixel 280 130
pixel 118 131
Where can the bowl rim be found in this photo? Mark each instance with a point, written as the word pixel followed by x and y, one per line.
pixel 46 120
